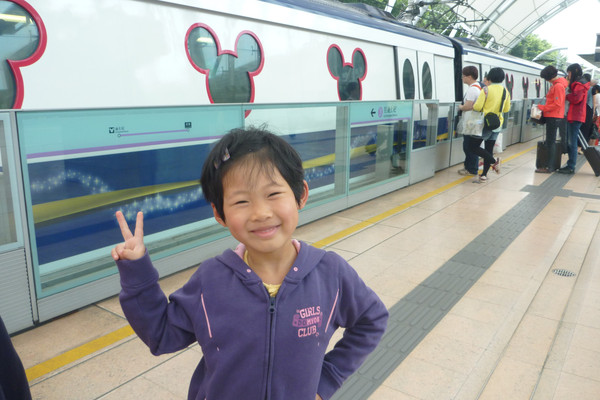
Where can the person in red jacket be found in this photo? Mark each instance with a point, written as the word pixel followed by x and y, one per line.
pixel 553 111
pixel 577 98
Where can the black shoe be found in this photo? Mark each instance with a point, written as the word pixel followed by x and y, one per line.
pixel 566 170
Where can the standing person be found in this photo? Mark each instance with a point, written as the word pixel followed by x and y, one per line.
pixel 577 98
pixel 490 101
pixel 553 111
pixel 469 77
pixel 263 313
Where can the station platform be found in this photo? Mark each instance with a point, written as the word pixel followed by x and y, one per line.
pixel 493 290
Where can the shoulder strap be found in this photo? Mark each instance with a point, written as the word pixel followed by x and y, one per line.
pixel 502 101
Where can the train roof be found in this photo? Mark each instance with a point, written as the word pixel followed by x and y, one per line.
pixel 364 15
pixel 373 17
pixel 470 46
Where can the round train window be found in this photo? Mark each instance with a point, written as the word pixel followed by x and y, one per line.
pixel 427 84
pixel 408 80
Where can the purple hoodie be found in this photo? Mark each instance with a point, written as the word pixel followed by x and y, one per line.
pixel 255 346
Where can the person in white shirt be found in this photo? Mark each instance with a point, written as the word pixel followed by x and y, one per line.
pixel 469 77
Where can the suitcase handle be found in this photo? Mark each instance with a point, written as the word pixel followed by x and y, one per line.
pixel 584 144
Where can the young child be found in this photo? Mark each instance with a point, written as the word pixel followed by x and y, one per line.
pixel 264 312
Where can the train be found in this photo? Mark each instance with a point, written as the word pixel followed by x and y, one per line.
pixel 116 103
pixel 68 54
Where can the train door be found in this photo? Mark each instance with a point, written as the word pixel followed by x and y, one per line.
pixel 425 126
pixel 407 74
pixel 444 81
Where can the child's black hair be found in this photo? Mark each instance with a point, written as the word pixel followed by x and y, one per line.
pixel 268 151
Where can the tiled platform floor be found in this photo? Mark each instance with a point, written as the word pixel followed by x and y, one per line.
pixel 519 331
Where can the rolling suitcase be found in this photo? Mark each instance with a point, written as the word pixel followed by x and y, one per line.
pixel 541 159
pixel 591 154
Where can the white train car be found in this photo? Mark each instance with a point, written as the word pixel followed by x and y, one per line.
pixel 82 58
pixel 102 53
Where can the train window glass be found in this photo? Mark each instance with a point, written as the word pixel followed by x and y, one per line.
pixel 19 38
pixel 408 80
pixel 229 72
pixel 427 82
pixel 348 75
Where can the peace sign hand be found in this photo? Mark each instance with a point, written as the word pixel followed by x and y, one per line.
pixel 133 246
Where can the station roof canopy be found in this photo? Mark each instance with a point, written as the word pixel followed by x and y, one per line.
pixel 508 21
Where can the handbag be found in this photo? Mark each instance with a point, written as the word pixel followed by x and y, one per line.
pixel 472 123
pixel 537 116
pixel 492 120
pixel 498 144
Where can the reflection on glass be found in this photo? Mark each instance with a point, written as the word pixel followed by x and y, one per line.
pixel 445 128
pixel 19 38
pixel 425 124
pixel 312 132
pixel 378 153
pixel 378 135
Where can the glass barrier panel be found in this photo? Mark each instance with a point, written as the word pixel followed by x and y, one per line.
pixel 446 119
pixel 425 124
pixel 318 135
pixel 80 167
pixel 455 118
pixel 514 115
pixel 378 134
pixel 8 218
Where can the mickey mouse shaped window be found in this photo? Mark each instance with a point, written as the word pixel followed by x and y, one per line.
pixel 229 73
pixel 349 76
pixel 22 42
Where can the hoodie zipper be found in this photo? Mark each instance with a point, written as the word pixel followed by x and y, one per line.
pixel 270 355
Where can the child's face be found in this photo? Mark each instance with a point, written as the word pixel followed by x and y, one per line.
pixel 260 209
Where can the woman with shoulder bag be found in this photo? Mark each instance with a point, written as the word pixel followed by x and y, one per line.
pixel 493 101
pixel 577 98
pixel 553 112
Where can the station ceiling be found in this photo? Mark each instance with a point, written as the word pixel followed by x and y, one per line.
pixel 509 21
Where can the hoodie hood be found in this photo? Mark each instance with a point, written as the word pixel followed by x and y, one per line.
pixel 561 81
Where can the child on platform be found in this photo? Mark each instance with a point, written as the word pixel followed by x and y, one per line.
pixel 264 312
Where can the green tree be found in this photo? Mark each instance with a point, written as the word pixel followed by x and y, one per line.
pixel 530 47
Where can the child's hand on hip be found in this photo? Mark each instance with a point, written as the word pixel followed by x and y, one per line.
pixel 133 246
